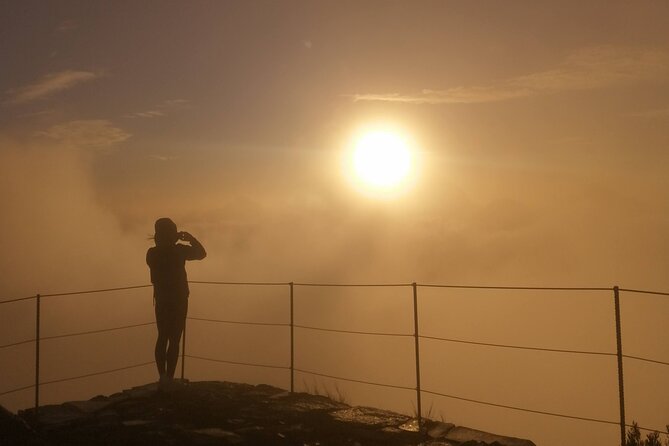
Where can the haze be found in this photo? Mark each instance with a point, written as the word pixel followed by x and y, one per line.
pixel 542 130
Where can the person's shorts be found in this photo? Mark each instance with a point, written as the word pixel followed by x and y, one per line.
pixel 171 315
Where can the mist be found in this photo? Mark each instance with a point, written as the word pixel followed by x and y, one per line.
pixel 478 225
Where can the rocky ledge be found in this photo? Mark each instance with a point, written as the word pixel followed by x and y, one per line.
pixel 208 413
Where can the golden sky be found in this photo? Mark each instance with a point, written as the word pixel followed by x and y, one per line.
pixel 542 130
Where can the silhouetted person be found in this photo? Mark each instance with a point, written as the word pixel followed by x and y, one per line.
pixel 167 262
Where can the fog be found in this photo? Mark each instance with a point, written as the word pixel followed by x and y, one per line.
pixel 285 221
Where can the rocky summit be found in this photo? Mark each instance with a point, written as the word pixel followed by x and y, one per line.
pixel 219 413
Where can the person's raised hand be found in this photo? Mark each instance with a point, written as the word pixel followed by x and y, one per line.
pixel 185 236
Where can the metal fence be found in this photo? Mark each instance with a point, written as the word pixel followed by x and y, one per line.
pixel 416 335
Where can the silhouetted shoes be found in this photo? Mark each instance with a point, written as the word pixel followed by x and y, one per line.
pixel 165 384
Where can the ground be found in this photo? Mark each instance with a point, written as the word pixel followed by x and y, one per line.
pixel 208 413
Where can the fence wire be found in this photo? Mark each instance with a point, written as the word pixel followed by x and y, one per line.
pixel 223 321
pixel 519 347
pixel 72 378
pixel 103 330
pixel 333 330
pixel 240 283
pixel 103 372
pixel 13 344
pixel 17 389
pixel 657 293
pixel 324 329
pixel 103 290
pixel 19 299
pixel 639 358
pixel 353 285
pixel 251 364
pixel 522 409
pixel 531 288
pixel 354 380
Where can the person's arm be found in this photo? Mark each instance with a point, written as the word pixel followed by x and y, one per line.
pixel 196 251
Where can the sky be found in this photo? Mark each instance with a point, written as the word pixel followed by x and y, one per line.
pixel 540 130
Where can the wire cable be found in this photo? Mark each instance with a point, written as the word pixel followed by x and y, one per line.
pixel 648 429
pixel 657 293
pixel 18 389
pixel 27 341
pixel 103 330
pixel 352 284
pixel 639 358
pixel 374 333
pixel 240 283
pixel 504 406
pixel 354 380
pixel 520 347
pixel 223 321
pixel 104 290
pixel 477 287
pixel 239 363
pixel 88 375
pixel 17 300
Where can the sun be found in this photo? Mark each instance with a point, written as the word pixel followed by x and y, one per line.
pixel 382 160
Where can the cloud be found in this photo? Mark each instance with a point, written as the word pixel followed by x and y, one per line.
pixel 456 95
pixel 585 69
pixel 59 254
pixel 93 133
pixel 163 109
pixel 163 157
pixel 48 85
pixel 147 114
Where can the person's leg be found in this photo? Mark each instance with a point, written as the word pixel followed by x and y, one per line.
pixel 178 320
pixel 161 342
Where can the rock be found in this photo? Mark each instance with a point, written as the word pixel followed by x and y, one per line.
pixel 464 435
pixel 135 422
pixel 230 437
pixel 306 402
pixel 439 429
pixel 90 406
pixel 14 430
pixel 214 413
pixel 370 416
pixel 410 426
pixel 51 416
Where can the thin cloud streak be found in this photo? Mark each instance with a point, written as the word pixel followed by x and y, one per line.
pixel 49 85
pixel 163 109
pixel 163 158
pixel 147 114
pixel 585 69
pixel 93 133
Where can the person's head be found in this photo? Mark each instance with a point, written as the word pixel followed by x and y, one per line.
pixel 166 232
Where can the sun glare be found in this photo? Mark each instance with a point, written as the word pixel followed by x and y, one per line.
pixel 381 160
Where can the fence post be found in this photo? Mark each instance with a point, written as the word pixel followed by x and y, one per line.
pixel 183 352
pixel 417 351
pixel 292 342
pixel 621 382
pixel 37 358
